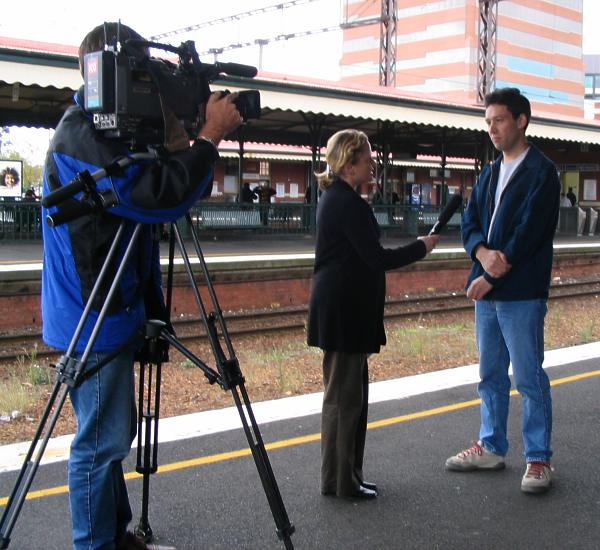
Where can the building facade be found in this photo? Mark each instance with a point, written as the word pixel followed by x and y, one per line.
pixel 538 49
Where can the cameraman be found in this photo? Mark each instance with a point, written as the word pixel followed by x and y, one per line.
pixel 73 256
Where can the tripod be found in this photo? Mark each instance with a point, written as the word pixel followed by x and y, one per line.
pixel 71 372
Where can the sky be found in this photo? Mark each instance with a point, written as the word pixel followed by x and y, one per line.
pixel 57 21
pixel 317 56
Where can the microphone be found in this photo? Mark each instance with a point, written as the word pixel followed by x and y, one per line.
pixel 236 69
pixel 445 215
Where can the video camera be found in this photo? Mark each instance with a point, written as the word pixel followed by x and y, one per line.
pixel 127 90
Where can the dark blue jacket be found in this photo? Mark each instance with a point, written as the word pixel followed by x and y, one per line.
pixel 523 229
pixel 75 252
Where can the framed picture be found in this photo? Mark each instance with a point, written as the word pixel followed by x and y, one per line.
pixel 589 190
pixel 11 178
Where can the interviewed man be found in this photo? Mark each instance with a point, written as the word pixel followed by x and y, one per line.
pixel 508 229
pixel 73 257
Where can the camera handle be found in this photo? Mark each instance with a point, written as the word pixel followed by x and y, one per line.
pixel 92 199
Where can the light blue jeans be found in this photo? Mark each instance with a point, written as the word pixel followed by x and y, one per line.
pixel 106 425
pixel 513 332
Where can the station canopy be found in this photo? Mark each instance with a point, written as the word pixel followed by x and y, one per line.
pixel 36 87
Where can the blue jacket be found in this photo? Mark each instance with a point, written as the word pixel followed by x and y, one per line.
pixel 523 229
pixel 75 252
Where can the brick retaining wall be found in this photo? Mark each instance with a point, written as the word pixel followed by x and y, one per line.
pixel 254 288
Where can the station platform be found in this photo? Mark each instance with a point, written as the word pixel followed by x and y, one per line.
pixel 23 252
pixel 207 493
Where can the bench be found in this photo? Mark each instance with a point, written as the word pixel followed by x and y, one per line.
pixel 227 218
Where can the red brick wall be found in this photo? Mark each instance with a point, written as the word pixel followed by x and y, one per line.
pixel 284 289
pixel 289 172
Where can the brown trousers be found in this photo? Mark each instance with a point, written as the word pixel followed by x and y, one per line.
pixel 343 421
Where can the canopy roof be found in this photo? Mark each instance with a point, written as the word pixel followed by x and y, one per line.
pixel 36 86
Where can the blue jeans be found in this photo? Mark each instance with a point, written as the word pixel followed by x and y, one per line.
pixel 106 425
pixel 513 332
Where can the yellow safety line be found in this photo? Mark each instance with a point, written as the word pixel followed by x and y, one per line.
pixel 311 438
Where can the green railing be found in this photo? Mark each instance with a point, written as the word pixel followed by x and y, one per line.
pixel 20 220
pixel 276 218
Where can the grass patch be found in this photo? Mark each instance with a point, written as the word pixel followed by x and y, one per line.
pixel 276 365
pixel 432 342
pixel 587 331
pixel 30 369
pixel 14 396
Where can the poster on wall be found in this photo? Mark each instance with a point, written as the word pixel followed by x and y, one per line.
pixel 589 190
pixel 11 178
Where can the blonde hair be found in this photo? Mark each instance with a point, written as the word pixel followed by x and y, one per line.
pixel 343 148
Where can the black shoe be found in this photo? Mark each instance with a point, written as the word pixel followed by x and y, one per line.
pixel 131 541
pixel 363 493
pixel 369 485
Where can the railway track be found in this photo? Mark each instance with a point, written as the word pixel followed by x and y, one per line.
pixel 24 344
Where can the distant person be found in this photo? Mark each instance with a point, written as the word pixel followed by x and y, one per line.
pixel 30 195
pixel 9 177
pixel 564 201
pixel 571 196
pixel 247 195
pixel 393 197
pixel 345 315
pixel 308 194
pixel 376 197
pixel 507 230
pixel 264 192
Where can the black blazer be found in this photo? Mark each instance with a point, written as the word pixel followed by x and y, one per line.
pixel 348 290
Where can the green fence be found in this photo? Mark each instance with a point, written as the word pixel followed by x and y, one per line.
pixel 20 220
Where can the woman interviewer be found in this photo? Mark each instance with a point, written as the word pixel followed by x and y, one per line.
pixel 346 307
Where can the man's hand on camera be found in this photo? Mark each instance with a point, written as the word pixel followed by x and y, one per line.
pixel 222 117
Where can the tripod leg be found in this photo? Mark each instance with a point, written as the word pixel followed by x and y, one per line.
pixel 284 528
pixel 70 374
pixel 230 377
pixel 147 435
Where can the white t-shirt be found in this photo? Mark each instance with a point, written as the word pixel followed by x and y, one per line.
pixel 507 169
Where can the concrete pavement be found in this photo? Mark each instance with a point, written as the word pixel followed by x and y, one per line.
pixel 207 493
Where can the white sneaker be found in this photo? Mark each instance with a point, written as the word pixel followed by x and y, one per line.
pixel 475 458
pixel 537 478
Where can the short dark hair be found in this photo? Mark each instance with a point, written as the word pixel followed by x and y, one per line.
pixel 514 100
pixel 9 171
pixel 104 34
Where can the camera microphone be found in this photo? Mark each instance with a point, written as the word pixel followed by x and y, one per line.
pixel 445 215
pixel 236 69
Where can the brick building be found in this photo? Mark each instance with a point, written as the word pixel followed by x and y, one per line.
pixel 538 49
